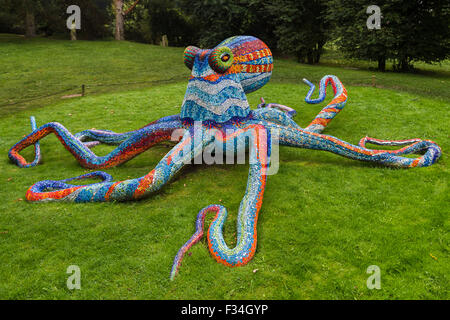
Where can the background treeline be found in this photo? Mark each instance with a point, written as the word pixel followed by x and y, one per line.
pixel 411 30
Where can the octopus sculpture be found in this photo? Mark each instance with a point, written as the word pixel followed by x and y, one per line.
pixel 215 114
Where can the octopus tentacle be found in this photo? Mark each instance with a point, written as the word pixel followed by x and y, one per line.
pixel 196 237
pixel 249 208
pixel 110 137
pixel 332 109
pixel 130 189
pixel 310 140
pixel 365 140
pixel 95 136
pixel 136 143
pixel 291 113
pixel 275 116
pixel 37 148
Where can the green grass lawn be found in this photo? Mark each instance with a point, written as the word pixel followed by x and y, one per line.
pixel 324 219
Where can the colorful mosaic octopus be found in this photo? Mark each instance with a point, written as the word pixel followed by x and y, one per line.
pixel 215 113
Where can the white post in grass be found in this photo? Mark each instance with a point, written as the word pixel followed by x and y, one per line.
pixel 73 32
pixel 164 41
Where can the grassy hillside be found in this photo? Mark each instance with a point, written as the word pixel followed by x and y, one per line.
pixel 324 219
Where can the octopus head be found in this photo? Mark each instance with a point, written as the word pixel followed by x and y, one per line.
pixel 222 76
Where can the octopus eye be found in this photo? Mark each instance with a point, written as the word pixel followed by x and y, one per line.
pixel 189 56
pixel 225 57
pixel 221 59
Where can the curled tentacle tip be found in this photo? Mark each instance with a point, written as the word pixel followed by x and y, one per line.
pixel 105 177
pixel 37 147
pixel 91 144
pixel 262 104
pixel 214 208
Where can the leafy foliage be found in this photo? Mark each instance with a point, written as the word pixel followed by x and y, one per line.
pixel 51 16
pixel 411 30
pixel 300 27
pixel 152 19
pixel 9 18
pixel 216 20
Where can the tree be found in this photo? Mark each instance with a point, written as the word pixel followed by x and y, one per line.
pixel 216 20
pixel 10 21
pixel 120 17
pixel 411 30
pixel 300 27
pixel 30 24
pixel 29 10
pixel 154 19
pixel 50 16
pixel 20 16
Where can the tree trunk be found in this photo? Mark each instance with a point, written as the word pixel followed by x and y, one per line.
pixel 404 65
pixel 316 57
pixel 120 20
pixel 382 64
pixel 318 52
pixel 30 24
pixel 310 57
